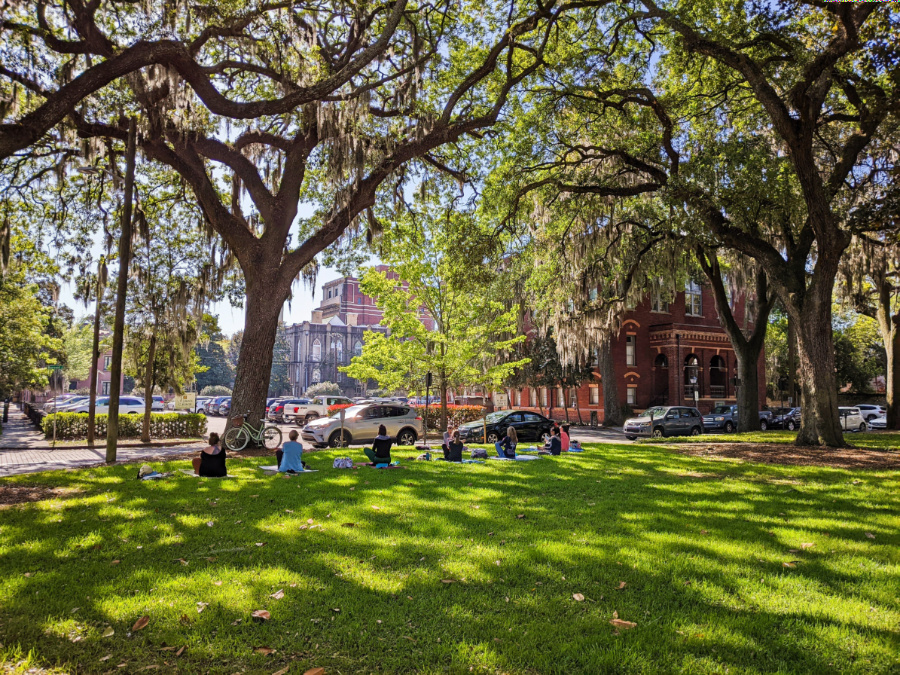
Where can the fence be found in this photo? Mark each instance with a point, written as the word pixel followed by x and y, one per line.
pixel 162 425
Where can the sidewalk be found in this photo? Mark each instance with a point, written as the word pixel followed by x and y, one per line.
pixel 19 432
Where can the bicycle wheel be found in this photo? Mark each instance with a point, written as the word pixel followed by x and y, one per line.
pixel 236 439
pixel 271 437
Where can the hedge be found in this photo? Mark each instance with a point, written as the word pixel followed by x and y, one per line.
pixel 162 425
pixel 456 414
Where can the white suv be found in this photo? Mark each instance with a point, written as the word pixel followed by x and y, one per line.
pixel 870 411
pixel 852 419
pixel 361 424
pixel 127 404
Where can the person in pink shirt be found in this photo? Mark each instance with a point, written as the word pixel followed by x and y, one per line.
pixel 564 437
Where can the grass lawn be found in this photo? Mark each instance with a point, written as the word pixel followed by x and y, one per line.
pixel 877 440
pixel 439 568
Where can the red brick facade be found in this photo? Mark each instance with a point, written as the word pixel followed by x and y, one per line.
pixel 658 355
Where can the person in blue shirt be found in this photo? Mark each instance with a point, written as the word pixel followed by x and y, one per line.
pixel 290 457
pixel 554 444
pixel 506 447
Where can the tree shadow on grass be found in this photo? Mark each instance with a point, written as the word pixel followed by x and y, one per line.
pixel 589 522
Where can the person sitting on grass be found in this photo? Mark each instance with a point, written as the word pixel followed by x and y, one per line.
pixel 290 457
pixel 448 436
pixel 564 437
pixel 454 448
pixel 211 462
pixel 554 443
pixel 380 452
pixel 506 446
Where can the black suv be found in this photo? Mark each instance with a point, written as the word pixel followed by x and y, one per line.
pixel 529 426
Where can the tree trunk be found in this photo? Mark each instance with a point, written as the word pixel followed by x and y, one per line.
pixel 613 413
pixel 792 363
pixel 443 400
pixel 254 367
pixel 890 336
pixel 115 369
pixel 565 403
pixel 748 391
pixel 95 356
pixel 148 388
pixel 819 422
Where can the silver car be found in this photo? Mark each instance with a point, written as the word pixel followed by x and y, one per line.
pixel 361 423
pixel 662 421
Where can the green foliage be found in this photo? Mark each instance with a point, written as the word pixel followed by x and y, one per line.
pixel 323 389
pixel 279 380
pixel 456 414
pixel 215 390
pixel 162 425
pixel 77 343
pixel 214 367
pixel 858 353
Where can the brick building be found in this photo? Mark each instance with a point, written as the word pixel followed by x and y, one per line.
pixel 334 335
pixel 664 353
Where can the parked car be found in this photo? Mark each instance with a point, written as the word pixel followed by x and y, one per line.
pixel 71 403
pixel 852 419
pixel 725 418
pixel 870 411
pixel 877 423
pixel 159 403
pixel 200 404
pixel 221 402
pixel 361 424
pixel 127 405
pixel 529 426
pixel 310 410
pixel 786 418
pixel 662 421
pixel 225 407
pixel 278 408
pixel 56 401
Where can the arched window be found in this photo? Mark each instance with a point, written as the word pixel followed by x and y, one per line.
pixel 339 350
pixel 717 375
pixel 317 350
pixel 691 375
pixel 357 348
pixel 662 361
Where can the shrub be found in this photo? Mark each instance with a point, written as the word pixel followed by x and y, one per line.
pixel 215 390
pixel 162 425
pixel 456 414
pixel 338 406
pixel 324 389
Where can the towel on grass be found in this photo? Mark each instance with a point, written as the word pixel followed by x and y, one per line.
pixel 519 458
pixel 190 472
pixel 271 470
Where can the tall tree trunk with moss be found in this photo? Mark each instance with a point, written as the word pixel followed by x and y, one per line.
pixel 613 412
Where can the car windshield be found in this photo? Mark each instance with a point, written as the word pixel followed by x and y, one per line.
pixel 721 409
pixel 653 412
pixel 349 412
pixel 496 416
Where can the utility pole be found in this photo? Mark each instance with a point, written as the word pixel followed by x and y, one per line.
pixel 95 353
pixel 115 368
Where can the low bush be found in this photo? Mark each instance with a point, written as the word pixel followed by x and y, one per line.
pixel 456 414
pixel 215 390
pixel 162 425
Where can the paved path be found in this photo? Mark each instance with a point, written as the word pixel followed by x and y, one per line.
pixel 19 432
pixel 14 462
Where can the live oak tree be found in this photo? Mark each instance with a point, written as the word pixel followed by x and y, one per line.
pixel 761 122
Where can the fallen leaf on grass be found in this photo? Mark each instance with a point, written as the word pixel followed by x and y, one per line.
pixel 310 521
pixel 140 624
pixel 180 651
pixel 209 523
pixel 75 609
pixel 870 535
pixel 806 545
pixel 294 584
pixel 182 561
pixel 282 671
pixel 377 508
pixel 521 515
pixel 109 632
pixel 105 658
pixel 201 606
pixel 265 651
pixel 622 585
pixel 789 564
pixel 185 619
pixel 27 574
pixel 261 615
pixel 115 562
pixel 260 543
pixel 278 595
pixel 217 583
pixel 578 596
pixel 315 671
pixel 619 623
pixel 448 581
pixel 704 532
pixel 335 609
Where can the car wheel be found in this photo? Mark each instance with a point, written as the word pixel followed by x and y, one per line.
pixel 763 426
pixel 407 437
pixel 729 427
pixel 631 438
pixel 695 431
pixel 311 417
pixel 791 426
pixel 492 437
pixel 862 426
pixel 658 432
pixel 334 441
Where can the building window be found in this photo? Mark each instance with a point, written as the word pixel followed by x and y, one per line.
pixel 657 304
pixel 316 375
pixel 339 351
pixel 629 350
pixel 316 350
pixel 533 398
pixel 521 397
pixel 559 397
pixel 595 395
pixel 357 348
pixel 573 399
pixel 544 396
pixel 104 387
pixel 107 361
pixel 693 299
pixel 630 397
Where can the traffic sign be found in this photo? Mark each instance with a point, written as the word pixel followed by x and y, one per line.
pixel 55 366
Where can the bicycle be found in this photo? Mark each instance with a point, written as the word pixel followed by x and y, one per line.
pixel 242 432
